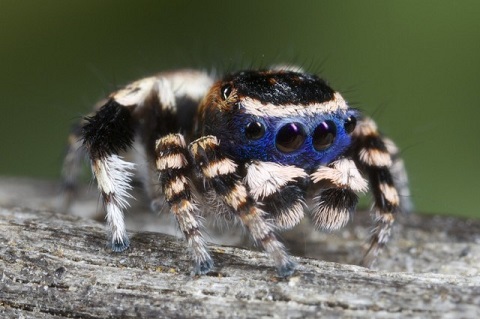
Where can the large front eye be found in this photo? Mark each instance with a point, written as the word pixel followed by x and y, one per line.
pixel 254 130
pixel 324 135
pixel 290 137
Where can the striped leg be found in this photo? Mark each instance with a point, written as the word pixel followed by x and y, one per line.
pixel 144 109
pixel 338 182
pixel 220 175
pixel 399 175
pixel 106 134
pixel 375 154
pixel 173 167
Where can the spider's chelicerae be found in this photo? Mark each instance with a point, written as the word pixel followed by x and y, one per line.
pixel 262 143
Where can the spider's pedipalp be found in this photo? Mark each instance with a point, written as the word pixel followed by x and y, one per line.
pixel 337 200
pixel 276 186
pixel 172 164
pixel 333 207
pixel 340 173
pixel 220 175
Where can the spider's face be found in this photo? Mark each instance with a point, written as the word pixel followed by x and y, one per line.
pixel 278 116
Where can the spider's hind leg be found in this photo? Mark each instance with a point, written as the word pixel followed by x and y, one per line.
pixel 105 135
pixel 71 168
pixel 378 158
pixel 144 110
pixel 219 174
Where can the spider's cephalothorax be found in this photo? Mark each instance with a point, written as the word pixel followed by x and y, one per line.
pixel 261 143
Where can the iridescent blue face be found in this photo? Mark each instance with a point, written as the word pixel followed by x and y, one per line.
pixel 303 141
pixel 284 117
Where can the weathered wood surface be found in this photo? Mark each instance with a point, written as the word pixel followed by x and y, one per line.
pixel 56 265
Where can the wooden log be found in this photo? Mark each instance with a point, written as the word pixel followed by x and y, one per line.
pixel 56 265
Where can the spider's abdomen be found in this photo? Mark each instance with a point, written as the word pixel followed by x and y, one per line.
pixel 277 116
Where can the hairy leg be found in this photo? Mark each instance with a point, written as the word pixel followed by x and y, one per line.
pixel 220 175
pixel 174 167
pixel 378 159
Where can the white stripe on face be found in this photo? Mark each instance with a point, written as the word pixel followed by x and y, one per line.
pixel 254 107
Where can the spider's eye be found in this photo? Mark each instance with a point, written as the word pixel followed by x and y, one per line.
pixel 324 135
pixel 226 90
pixel 350 124
pixel 290 137
pixel 254 130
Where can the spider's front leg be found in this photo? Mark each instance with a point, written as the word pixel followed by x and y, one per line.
pixel 219 173
pixel 378 158
pixel 173 165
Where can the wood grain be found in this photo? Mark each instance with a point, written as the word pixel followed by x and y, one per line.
pixel 55 265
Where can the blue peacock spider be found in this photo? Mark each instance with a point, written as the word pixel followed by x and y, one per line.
pixel 262 143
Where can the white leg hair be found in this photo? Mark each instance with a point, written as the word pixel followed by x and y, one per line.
pixel 266 178
pixel 113 176
pixel 341 173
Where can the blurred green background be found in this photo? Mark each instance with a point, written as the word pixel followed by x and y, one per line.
pixel 413 65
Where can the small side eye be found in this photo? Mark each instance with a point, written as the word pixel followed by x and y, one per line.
pixel 350 124
pixel 290 137
pixel 254 130
pixel 226 90
pixel 324 135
